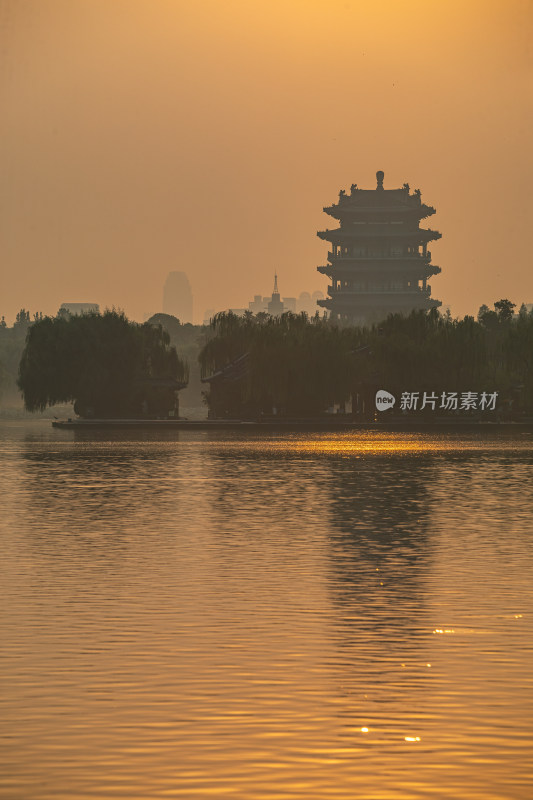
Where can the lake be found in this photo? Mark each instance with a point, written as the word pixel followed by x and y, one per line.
pixel 321 617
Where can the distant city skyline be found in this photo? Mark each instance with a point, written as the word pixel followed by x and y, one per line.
pixel 274 304
pixel 78 308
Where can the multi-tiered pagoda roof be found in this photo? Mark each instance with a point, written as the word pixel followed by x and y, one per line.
pixel 379 262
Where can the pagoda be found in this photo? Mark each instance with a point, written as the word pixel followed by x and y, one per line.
pixel 379 262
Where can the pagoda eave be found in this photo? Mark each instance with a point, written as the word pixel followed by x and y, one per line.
pixel 347 271
pixel 349 210
pixel 345 234
pixel 404 260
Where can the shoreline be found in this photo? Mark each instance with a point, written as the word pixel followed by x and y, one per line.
pixel 292 425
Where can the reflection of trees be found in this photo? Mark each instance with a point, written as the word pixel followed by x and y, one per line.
pixel 76 493
pixel 265 492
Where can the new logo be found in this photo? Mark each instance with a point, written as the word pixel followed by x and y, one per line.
pixel 384 400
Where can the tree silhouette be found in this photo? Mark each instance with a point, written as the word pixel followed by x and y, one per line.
pixel 105 364
pixel 299 367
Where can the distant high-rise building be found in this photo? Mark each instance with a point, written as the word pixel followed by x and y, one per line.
pixel 304 301
pixel 307 303
pixel 177 296
pixel 258 304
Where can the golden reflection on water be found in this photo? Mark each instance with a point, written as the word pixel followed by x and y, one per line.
pixel 218 617
pixel 356 444
pixel 375 442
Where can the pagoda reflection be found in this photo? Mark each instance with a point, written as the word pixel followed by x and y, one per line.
pixel 380 542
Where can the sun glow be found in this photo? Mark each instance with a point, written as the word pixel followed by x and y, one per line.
pixel 354 444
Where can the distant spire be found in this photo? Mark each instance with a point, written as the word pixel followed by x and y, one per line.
pixel 275 284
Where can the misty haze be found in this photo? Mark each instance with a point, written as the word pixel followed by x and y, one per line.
pixel 266 400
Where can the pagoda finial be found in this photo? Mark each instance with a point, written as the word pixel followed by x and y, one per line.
pixel 380 175
pixel 275 284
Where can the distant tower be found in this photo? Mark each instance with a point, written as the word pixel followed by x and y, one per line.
pixel 177 296
pixel 275 306
pixel 379 262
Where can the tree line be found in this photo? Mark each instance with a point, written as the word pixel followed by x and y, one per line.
pixel 295 366
pixel 261 365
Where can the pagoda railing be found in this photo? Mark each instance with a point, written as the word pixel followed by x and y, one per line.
pixel 382 290
pixel 329 269
pixel 374 257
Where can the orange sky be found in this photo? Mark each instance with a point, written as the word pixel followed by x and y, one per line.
pixel 143 136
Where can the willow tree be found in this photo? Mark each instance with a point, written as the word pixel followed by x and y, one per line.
pixel 104 364
pixel 289 363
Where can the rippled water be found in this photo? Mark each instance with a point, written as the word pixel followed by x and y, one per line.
pixel 202 615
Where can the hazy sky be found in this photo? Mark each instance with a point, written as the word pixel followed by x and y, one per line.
pixel 143 136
